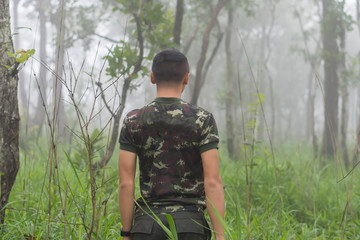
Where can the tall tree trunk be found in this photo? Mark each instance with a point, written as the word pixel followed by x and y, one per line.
pixel 204 47
pixel 309 113
pixel 60 115
pixel 358 14
pixel 310 126
pixel 357 147
pixel 312 98
pixel 272 7
pixel 260 79
pixel 344 90
pixel 331 82
pixel 9 112
pixel 39 115
pixel 229 101
pixel 22 80
pixel 178 21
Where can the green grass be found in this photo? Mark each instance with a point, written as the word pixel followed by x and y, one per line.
pixel 312 203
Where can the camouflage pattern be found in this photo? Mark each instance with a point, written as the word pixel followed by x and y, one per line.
pixel 168 135
pixel 144 210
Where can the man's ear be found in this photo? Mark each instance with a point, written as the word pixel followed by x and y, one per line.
pixel 152 78
pixel 186 78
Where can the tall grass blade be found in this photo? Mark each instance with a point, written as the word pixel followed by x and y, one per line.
pixel 73 168
pixel 172 226
pixel 221 220
pixel 157 220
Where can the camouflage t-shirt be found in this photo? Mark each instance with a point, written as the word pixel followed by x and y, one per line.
pixel 168 135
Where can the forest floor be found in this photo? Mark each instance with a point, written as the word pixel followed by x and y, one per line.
pixel 302 199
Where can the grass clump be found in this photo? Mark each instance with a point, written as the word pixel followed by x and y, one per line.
pixel 313 205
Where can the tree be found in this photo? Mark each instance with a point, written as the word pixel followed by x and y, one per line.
pixel 178 21
pixel 329 28
pixel 200 74
pixel 230 136
pixel 39 117
pixel 314 60
pixel 344 86
pixel 126 60
pixel 357 147
pixel 9 113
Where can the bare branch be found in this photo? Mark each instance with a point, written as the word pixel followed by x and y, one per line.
pixel 107 38
pixel 115 131
pixel 204 48
pixel 190 41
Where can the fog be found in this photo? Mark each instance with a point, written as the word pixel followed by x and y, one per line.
pixel 270 43
pixel 282 79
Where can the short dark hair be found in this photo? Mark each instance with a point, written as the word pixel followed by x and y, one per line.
pixel 169 65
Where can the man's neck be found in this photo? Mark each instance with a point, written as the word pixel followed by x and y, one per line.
pixel 168 92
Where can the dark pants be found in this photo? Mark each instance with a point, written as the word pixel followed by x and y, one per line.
pixel 189 226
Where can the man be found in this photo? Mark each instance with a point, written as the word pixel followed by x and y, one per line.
pixel 176 143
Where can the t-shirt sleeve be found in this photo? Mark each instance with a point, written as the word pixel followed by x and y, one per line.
pixel 126 139
pixel 209 137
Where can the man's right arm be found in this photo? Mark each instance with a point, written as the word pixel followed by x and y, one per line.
pixel 214 190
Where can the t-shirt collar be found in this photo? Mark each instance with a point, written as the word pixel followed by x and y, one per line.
pixel 167 100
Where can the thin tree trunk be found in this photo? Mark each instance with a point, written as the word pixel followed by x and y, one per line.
pixel 344 94
pixel 358 14
pixel 331 82
pixel 357 147
pixel 22 80
pixel 229 87
pixel 309 113
pixel 204 47
pixel 59 104
pixel 312 89
pixel 39 115
pixel 272 7
pixel 314 140
pixel 9 113
pixel 261 72
pixel 178 21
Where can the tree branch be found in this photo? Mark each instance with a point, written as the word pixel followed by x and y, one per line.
pixel 204 48
pixel 107 38
pixel 190 41
pixel 104 99
pixel 213 54
pixel 115 131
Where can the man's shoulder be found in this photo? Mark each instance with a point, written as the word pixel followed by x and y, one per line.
pixel 200 112
pixel 139 111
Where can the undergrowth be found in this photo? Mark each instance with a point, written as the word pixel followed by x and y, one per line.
pixel 313 204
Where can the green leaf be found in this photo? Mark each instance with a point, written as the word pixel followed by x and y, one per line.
pixel 261 97
pixel 72 166
pixel 156 219
pixel 8 67
pixel 11 54
pixel 31 52
pixel 221 220
pixel 172 226
pixel 27 28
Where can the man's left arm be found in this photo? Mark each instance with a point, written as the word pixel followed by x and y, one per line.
pixel 127 170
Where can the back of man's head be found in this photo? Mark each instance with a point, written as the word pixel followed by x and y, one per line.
pixel 170 66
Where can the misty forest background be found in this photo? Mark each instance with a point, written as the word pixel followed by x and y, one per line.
pixel 280 76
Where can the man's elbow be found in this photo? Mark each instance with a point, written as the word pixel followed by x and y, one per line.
pixel 213 183
pixel 126 185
